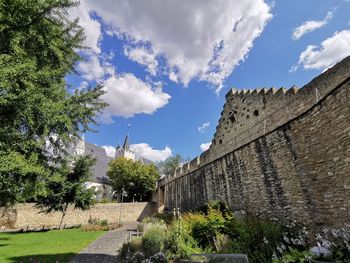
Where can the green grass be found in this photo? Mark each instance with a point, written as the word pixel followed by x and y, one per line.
pixel 44 247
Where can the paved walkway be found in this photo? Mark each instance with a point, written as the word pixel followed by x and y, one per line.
pixel 105 249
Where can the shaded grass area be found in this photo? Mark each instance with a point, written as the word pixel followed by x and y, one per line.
pixel 50 246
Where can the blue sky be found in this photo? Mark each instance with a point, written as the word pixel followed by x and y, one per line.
pixel 167 65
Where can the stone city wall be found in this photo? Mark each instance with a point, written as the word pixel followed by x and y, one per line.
pixel 295 169
pixel 27 216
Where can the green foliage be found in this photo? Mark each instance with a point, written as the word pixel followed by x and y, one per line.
pixel 37 50
pixel 168 166
pixel 153 240
pixel 294 255
pixel 181 243
pixel 256 237
pixel 137 179
pixel 97 221
pixel 137 257
pixel 215 230
pixel 67 187
pixel 338 241
pixel 168 218
pixel 135 244
pixel 206 231
pixel 207 228
pixel 153 221
pixel 18 177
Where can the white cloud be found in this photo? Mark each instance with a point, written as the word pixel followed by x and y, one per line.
pixel 110 150
pixel 93 69
pixel 92 26
pixel 310 26
pixel 145 150
pixel 203 128
pixel 205 146
pixel 128 95
pixel 330 51
pixel 144 57
pixel 197 39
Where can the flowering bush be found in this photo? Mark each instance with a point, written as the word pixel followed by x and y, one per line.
pixel 338 241
pixel 215 230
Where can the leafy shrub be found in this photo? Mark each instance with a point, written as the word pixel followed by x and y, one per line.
pixel 258 238
pixel 168 218
pixel 150 223
pixel 207 229
pixel 137 257
pixel 152 220
pixel 181 243
pixel 158 258
pixel 153 240
pixel 97 221
pixel 294 255
pixel 216 230
pixel 135 244
pixel 338 241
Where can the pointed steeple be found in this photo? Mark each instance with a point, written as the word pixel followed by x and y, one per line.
pixel 118 147
pixel 126 143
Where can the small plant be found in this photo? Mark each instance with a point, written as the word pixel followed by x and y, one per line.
pixel 181 243
pixel 158 258
pixel 168 218
pixel 135 244
pixel 97 224
pixel 97 221
pixel 153 240
pixel 338 241
pixel 294 255
pixel 137 257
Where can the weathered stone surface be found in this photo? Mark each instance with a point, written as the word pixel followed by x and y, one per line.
pixel 27 216
pixel 292 165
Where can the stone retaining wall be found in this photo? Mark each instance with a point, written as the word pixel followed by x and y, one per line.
pixel 27 216
pixel 298 171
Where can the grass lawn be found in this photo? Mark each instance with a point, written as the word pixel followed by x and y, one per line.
pixel 51 246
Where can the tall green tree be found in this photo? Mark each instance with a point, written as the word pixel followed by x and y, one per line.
pixel 136 179
pixel 38 48
pixel 67 187
pixel 168 166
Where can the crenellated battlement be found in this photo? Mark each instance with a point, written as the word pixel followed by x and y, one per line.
pixel 251 113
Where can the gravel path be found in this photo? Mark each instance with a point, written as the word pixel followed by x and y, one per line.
pixel 105 249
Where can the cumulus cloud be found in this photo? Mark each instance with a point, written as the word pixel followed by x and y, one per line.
pixel 145 150
pixel 110 150
pixel 92 27
pixel 310 26
pixel 205 146
pixel 144 57
pixel 203 128
pixel 93 69
pixel 125 93
pixel 330 51
pixel 128 95
pixel 196 39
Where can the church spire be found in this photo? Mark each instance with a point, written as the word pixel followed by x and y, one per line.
pixel 126 143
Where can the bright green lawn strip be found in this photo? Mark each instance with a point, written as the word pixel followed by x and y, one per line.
pixel 45 247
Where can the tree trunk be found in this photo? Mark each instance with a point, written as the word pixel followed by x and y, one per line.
pixel 4 211
pixel 63 215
